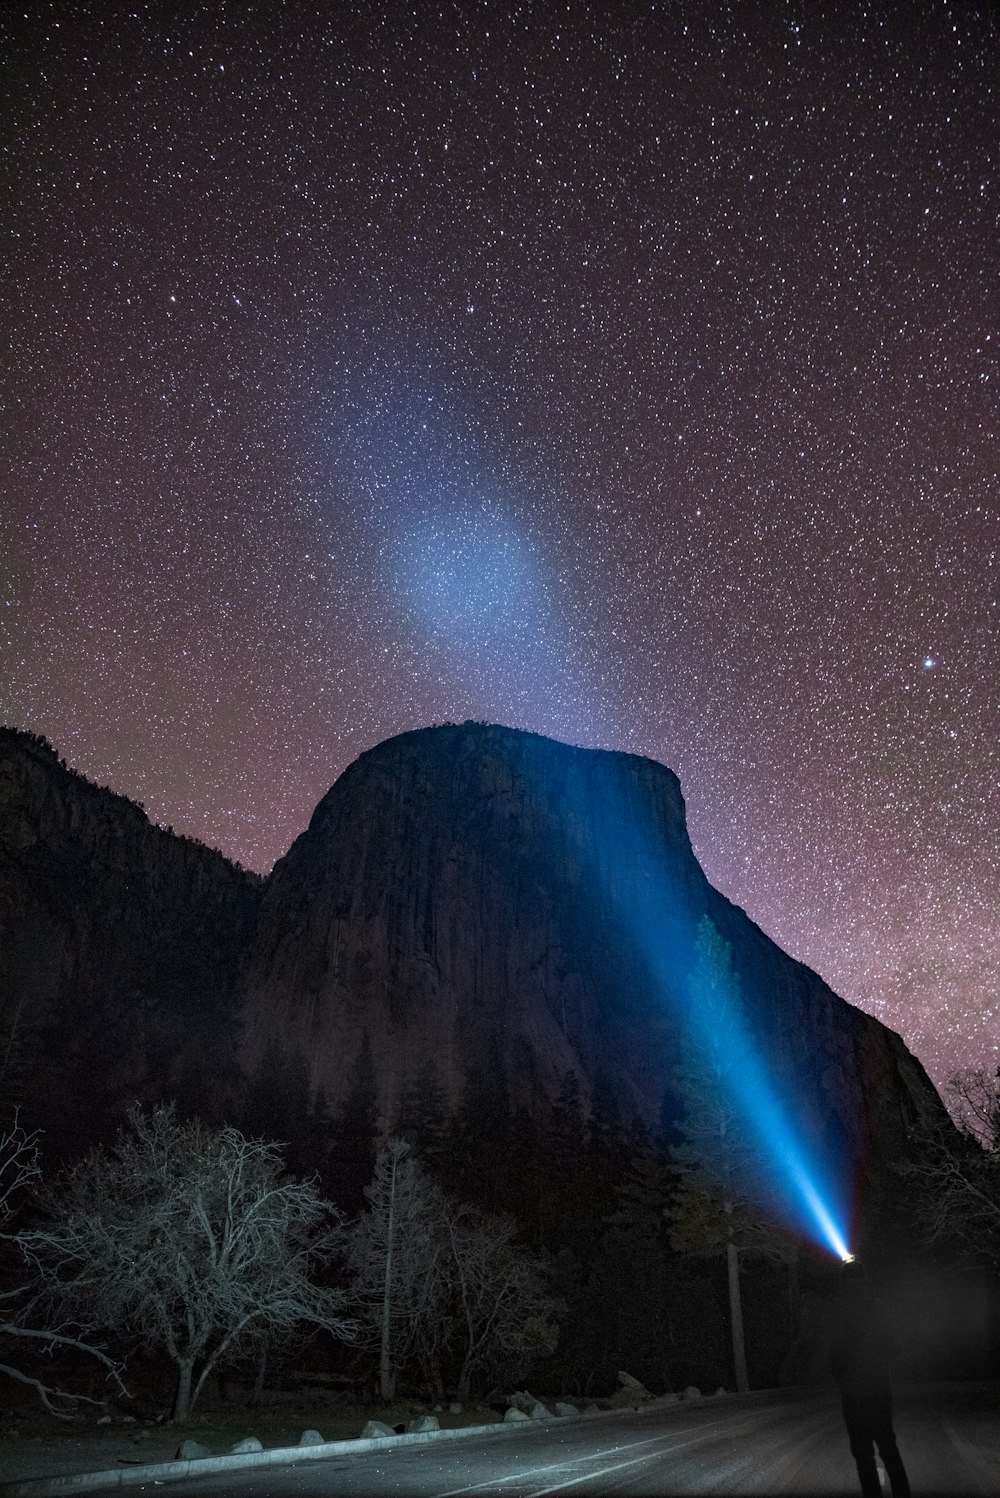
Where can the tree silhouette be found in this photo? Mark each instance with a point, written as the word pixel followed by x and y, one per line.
pixel 424 1116
pixel 954 1176
pixel 350 1156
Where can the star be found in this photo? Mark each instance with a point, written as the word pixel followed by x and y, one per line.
pixel 659 301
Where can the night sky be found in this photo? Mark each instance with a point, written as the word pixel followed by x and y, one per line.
pixel 620 372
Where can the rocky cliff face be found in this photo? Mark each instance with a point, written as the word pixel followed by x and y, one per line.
pixel 504 905
pixel 501 902
pixel 120 951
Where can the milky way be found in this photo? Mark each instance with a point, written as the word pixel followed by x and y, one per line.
pixel 619 372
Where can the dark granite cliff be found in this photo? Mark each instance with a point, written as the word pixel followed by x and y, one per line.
pixel 501 902
pixel 120 952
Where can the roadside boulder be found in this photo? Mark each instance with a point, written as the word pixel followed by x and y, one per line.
pixel 562 1408
pixel 513 1415
pixel 521 1399
pixel 311 1438
pixel 244 1447
pixel 632 1387
pixel 421 1423
pixel 191 1451
pixel 376 1428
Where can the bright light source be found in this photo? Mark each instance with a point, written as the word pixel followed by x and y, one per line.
pixel 847 1258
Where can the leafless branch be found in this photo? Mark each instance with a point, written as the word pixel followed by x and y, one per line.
pixel 189 1239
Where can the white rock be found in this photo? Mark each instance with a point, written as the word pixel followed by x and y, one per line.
pixel 691 1394
pixel 421 1423
pixel 513 1415
pixel 633 1387
pixel 191 1451
pixel 376 1428
pixel 562 1408
pixel 311 1438
pixel 522 1400
pixel 249 1443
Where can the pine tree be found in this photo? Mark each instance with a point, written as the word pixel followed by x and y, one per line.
pixel 424 1116
pixel 19 1047
pixel 565 1212
pixel 712 1210
pixel 481 1139
pixel 606 1152
pixel 350 1159
pixel 671 1120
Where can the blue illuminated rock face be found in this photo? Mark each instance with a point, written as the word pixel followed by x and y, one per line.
pixel 493 899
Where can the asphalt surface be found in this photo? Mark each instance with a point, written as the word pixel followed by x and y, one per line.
pixel 775 1443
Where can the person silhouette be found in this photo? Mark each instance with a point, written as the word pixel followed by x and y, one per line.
pixel 863 1347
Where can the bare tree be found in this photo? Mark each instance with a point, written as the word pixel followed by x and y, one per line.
pixel 955 1182
pixel 20 1170
pixel 191 1239
pixel 504 1317
pixel 441 1284
pixel 393 1255
pixel 973 1097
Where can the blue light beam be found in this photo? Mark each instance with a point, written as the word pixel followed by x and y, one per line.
pixel 480 591
pixel 656 913
pixel 797 1183
pixel 481 594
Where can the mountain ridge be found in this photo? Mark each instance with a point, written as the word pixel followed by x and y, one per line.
pixel 463 895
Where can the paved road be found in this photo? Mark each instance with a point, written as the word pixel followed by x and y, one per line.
pixel 764 1444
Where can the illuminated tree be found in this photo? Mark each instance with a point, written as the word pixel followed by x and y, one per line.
pixel 442 1284
pixel 20 1323
pixel 713 1210
pixel 193 1240
pixel 393 1255
pixel 502 1316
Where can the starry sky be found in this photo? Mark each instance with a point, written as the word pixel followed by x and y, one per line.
pixel 624 372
